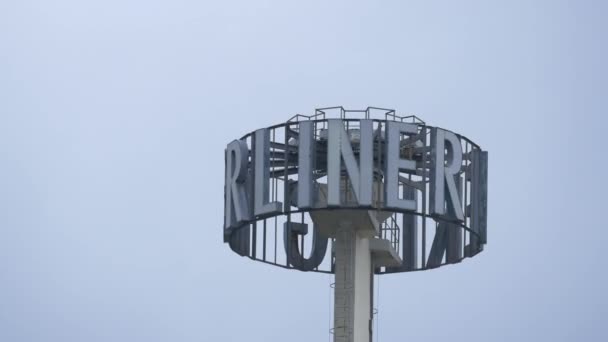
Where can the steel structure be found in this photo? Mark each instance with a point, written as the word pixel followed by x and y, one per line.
pixel 355 193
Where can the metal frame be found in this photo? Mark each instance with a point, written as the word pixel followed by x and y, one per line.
pixel 451 241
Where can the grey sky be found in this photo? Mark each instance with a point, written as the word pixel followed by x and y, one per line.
pixel 113 120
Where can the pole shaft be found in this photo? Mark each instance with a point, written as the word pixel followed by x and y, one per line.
pixel 352 293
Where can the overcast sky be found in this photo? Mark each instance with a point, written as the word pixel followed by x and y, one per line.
pixel 113 120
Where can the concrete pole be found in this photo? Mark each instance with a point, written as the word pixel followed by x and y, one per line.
pixel 352 292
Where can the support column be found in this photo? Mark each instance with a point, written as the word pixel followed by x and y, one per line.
pixel 352 293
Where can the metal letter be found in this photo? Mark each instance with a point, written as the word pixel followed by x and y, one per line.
pixel 481 195
pixel 442 176
pixel 447 240
pixel 394 163
pixel 236 206
pixel 440 242
pixel 410 233
pixel 240 241
pixel 292 248
pixel 306 156
pixel 339 148
pixel 454 247
pixel 479 201
pixel 262 176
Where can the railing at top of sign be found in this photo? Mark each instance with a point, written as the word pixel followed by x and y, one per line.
pixel 350 115
pixel 320 114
